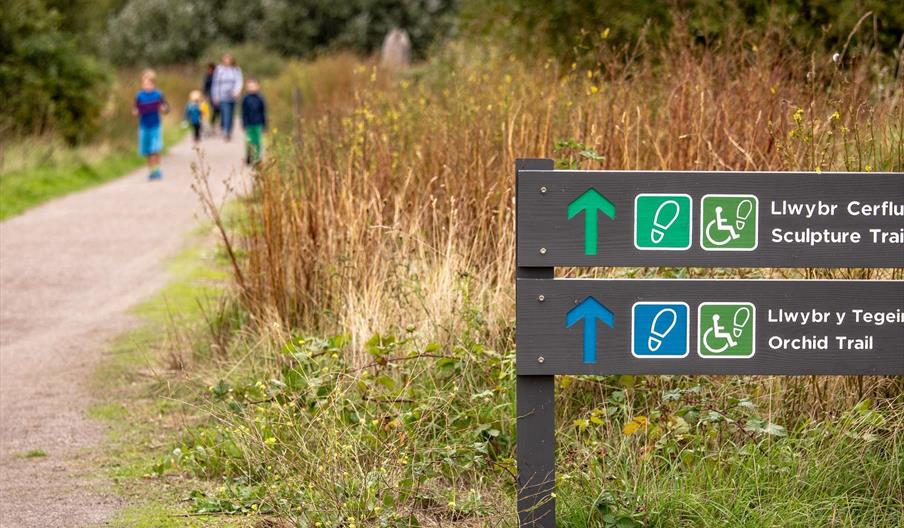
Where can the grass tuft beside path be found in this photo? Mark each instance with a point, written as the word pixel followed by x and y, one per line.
pixel 67 170
pixel 28 188
pixel 135 402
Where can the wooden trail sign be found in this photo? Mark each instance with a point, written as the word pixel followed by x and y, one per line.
pixel 744 327
pixel 741 327
pixel 711 219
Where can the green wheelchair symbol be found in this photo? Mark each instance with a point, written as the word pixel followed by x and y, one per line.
pixel 729 222
pixel 726 330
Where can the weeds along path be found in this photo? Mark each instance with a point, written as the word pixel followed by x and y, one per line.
pixel 69 271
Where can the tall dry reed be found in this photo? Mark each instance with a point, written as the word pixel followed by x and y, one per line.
pixel 393 206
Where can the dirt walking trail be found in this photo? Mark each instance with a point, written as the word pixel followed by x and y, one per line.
pixel 69 271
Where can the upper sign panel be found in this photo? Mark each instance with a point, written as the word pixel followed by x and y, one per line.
pixel 710 219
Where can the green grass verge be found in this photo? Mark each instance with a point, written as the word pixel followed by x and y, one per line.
pixel 69 171
pixel 134 400
pixel 28 188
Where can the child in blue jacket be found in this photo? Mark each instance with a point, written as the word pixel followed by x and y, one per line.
pixel 193 114
pixel 149 104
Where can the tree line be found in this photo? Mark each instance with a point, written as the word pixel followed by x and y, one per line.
pixel 56 55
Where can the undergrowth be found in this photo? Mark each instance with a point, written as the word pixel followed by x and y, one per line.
pixel 422 435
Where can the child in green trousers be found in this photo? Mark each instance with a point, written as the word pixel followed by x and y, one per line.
pixel 254 121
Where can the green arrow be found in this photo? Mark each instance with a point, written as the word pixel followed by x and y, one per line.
pixel 591 202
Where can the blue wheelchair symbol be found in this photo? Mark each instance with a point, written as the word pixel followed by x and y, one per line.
pixel 660 330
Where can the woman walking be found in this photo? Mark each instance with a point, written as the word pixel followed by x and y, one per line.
pixel 226 86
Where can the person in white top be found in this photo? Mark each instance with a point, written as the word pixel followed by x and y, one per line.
pixel 225 90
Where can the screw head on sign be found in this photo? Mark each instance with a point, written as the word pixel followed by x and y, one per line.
pixel 542 251
pixel 541 297
pixel 543 190
pixel 540 359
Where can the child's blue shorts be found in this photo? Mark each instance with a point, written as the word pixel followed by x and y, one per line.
pixel 150 140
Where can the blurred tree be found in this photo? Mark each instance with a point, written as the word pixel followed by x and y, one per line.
pixel 564 28
pixel 147 32
pixel 300 27
pixel 85 18
pixel 163 31
pixel 808 22
pixel 239 20
pixel 372 20
pixel 254 59
pixel 573 30
pixel 46 83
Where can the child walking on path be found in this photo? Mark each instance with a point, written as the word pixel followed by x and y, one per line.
pixel 206 117
pixel 149 103
pixel 254 121
pixel 193 114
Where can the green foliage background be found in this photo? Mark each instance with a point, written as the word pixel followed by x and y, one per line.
pixel 570 30
pixel 155 31
pixel 47 82
pixel 54 76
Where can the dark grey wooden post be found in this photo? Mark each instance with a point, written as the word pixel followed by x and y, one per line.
pixel 536 408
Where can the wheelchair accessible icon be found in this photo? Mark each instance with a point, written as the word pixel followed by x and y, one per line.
pixel 660 330
pixel 726 330
pixel 729 222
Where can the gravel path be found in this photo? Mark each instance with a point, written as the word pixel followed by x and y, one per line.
pixel 69 271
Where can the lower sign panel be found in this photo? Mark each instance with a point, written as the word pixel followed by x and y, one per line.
pixel 789 327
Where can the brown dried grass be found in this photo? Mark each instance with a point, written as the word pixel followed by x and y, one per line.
pixel 394 205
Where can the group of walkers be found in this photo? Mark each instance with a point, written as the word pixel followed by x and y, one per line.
pixel 222 91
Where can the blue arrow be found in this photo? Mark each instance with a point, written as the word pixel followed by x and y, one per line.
pixel 589 310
